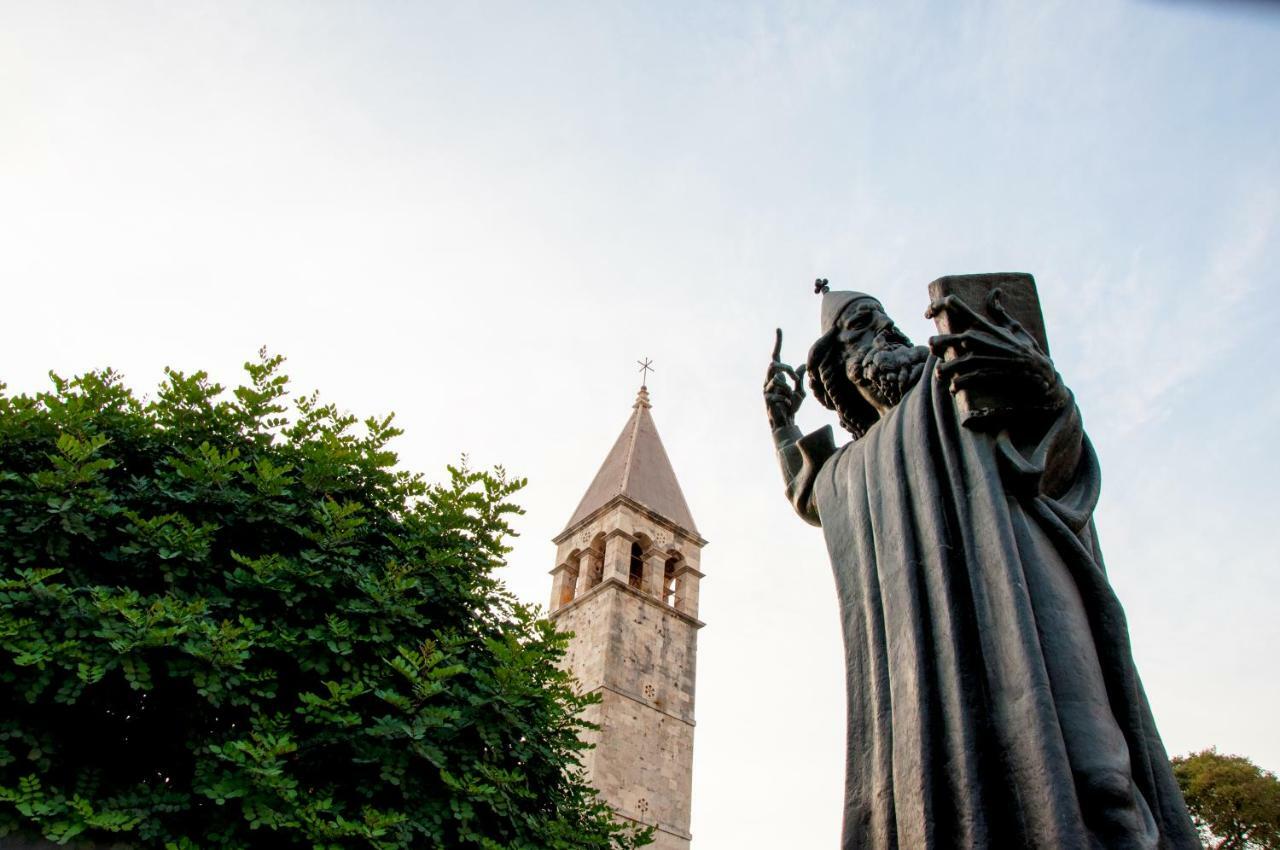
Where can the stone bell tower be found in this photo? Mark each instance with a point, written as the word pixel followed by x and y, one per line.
pixel 626 584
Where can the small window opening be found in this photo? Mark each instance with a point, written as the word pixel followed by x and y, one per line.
pixel 636 579
pixel 570 585
pixel 669 581
pixel 593 562
pixel 595 572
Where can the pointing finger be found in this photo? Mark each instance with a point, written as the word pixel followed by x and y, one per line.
pixel 777 346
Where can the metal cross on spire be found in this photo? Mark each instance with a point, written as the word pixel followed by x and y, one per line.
pixel 646 366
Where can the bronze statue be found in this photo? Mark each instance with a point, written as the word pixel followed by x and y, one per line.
pixel 992 695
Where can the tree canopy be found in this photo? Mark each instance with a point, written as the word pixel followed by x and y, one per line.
pixel 1235 804
pixel 228 624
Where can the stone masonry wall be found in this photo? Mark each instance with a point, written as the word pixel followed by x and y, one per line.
pixel 641 656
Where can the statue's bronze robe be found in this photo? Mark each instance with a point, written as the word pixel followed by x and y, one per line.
pixel 992 696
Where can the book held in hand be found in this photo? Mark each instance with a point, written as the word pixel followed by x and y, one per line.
pixel 992 402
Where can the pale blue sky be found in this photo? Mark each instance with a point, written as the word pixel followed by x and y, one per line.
pixel 480 215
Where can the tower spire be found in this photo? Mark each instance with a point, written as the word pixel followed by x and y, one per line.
pixel 637 468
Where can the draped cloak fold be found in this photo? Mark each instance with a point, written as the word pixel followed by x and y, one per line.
pixel 992 695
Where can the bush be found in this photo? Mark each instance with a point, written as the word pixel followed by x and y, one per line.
pixel 225 626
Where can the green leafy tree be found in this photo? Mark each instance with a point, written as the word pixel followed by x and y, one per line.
pixel 1235 804
pixel 224 625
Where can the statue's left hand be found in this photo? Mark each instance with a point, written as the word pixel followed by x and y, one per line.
pixel 996 350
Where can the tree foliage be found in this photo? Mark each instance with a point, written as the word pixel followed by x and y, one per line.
pixel 227 625
pixel 1235 804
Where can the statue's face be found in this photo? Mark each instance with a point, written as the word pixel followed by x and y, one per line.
pixel 861 322
pixel 879 359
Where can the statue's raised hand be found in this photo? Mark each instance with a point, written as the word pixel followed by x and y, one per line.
pixel 995 351
pixel 781 398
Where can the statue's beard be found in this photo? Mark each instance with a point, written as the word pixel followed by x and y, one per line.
pixel 886 369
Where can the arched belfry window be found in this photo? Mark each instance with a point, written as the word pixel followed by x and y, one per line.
pixel 636 577
pixel 568 588
pixel 593 562
pixel 669 579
